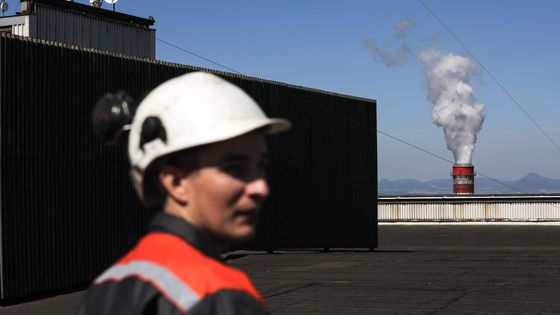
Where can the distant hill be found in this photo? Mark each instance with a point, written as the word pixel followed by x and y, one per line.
pixel 530 184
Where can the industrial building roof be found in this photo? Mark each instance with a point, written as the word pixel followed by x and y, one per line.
pixel 90 10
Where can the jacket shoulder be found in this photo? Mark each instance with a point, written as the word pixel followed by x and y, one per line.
pixel 203 274
pixel 177 271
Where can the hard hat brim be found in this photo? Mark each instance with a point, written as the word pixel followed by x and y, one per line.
pixel 277 125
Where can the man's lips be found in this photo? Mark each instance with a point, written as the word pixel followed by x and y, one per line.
pixel 247 216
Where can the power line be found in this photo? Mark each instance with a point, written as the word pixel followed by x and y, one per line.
pixel 199 56
pixel 416 147
pixel 490 74
pixel 501 183
pixel 346 118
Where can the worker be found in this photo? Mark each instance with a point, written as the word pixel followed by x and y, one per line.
pixel 197 149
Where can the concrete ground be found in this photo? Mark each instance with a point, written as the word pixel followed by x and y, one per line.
pixel 417 269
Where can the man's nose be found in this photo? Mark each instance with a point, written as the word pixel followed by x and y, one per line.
pixel 258 188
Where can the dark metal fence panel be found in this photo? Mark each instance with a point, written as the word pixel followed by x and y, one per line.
pixel 325 168
pixel 68 209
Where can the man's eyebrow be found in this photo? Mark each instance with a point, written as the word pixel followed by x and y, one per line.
pixel 242 157
pixel 235 157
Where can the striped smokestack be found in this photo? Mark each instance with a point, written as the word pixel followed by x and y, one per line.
pixel 463 179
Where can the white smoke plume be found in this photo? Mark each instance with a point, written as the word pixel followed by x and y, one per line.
pixel 454 107
pixel 402 53
pixel 402 26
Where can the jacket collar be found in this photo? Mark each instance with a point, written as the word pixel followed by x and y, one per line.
pixel 171 224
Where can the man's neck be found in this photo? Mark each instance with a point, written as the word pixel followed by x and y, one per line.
pixel 180 211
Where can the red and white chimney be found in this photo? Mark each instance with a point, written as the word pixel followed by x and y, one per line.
pixel 463 179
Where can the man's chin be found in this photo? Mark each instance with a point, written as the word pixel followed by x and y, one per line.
pixel 242 234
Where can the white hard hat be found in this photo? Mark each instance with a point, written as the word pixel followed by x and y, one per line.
pixel 187 111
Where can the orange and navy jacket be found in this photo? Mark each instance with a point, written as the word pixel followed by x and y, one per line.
pixel 172 270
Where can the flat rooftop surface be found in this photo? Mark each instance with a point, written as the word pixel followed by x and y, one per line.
pixel 417 269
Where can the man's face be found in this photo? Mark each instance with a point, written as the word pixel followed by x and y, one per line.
pixel 229 187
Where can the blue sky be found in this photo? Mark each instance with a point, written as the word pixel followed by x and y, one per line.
pixel 320 44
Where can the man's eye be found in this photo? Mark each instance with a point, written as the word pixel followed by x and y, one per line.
pixel 233 168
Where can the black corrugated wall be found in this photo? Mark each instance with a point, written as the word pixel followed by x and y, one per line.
pixel 68 209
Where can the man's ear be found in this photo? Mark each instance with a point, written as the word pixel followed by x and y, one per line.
pixel 173 181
